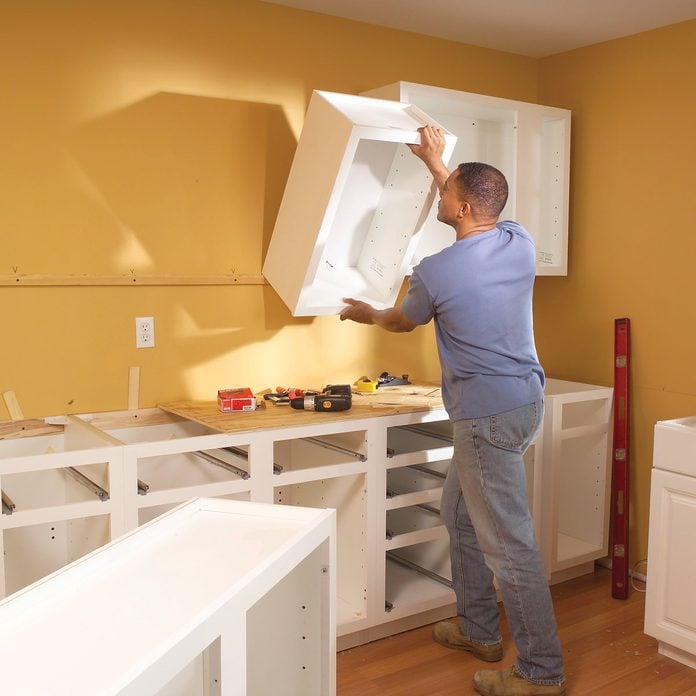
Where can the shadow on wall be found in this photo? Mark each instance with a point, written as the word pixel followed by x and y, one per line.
pixel 187 185
pixel 181 184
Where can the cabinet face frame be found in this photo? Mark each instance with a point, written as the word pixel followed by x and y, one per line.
pixel 529 143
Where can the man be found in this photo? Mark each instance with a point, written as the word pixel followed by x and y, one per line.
pixel 479 294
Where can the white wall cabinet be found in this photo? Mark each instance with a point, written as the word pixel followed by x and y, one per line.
pixel 670 612
pixel 353 205
pixel 381 468
pixel 188 604
pixel 529 143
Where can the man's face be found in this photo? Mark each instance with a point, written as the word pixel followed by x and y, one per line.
pixel 450 204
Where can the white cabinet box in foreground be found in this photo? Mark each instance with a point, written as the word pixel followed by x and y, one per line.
pixel 184 605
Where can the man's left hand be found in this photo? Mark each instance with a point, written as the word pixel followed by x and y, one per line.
pixel 358 311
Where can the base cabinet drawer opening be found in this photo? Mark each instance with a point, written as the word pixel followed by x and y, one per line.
pixel 31 552
pixel 418 578
pixel 337 452
pixel 582 500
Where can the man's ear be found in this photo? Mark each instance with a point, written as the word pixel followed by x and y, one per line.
pixel 464 209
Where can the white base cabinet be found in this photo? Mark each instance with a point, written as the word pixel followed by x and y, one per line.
pixel 62 497
pixel 670 611
pixel 216 598
pixel 576 477
pixel 381 469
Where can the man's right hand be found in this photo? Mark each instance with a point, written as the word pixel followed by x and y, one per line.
pixel 430 149
pixel 431 146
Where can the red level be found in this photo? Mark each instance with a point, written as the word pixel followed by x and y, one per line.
pixel 620 459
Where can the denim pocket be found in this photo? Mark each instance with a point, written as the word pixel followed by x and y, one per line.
pixel 514 430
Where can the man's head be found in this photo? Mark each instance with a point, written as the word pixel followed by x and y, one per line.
pixel 476 189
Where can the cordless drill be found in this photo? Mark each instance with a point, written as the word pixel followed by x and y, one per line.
pixel 334 397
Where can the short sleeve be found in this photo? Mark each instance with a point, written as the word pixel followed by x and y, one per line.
pixel 418 304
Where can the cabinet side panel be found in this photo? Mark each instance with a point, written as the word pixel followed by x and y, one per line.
pixel 284 633
pixel 315 168
pixel 552 241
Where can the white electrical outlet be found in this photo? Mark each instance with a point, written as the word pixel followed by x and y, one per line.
pixel 144 332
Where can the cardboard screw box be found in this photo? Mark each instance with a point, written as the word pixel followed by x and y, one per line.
pixel 239 399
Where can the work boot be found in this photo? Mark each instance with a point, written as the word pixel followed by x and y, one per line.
pixel 509 682
pixel 448 634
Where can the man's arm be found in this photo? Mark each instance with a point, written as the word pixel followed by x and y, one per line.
pixel 430 149
pixel 392 319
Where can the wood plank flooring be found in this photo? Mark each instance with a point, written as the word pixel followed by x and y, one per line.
pixel 606 652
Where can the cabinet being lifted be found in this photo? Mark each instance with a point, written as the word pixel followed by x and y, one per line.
pixel 353 205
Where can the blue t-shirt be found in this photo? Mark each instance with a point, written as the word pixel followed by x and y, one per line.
pixel 479 292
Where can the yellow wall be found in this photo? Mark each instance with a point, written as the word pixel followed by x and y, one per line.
pixel 156 138
pixel 632 241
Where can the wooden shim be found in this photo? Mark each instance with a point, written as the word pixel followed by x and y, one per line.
pixel 13 406
pixel 33 280
pixel 133 388
pixel 10 430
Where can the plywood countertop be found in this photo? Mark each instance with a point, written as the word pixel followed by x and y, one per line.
pixel 384 402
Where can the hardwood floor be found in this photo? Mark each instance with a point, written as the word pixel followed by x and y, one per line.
pixel 606 652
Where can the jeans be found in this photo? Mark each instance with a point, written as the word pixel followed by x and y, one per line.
pixel 484 506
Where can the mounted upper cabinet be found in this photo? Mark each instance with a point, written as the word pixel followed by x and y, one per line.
pixel 529 143
pixel 354 204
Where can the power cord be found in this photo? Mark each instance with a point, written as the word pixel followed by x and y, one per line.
pixel 642 578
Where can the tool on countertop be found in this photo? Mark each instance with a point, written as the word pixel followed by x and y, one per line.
pixel 334 397
pixel 365 385
pixel 387 380
pixel 285 396
pixel 239 399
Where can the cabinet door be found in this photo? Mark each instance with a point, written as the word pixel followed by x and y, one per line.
pixel 670 609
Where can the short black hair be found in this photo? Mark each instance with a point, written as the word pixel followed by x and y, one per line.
pixel 484 186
